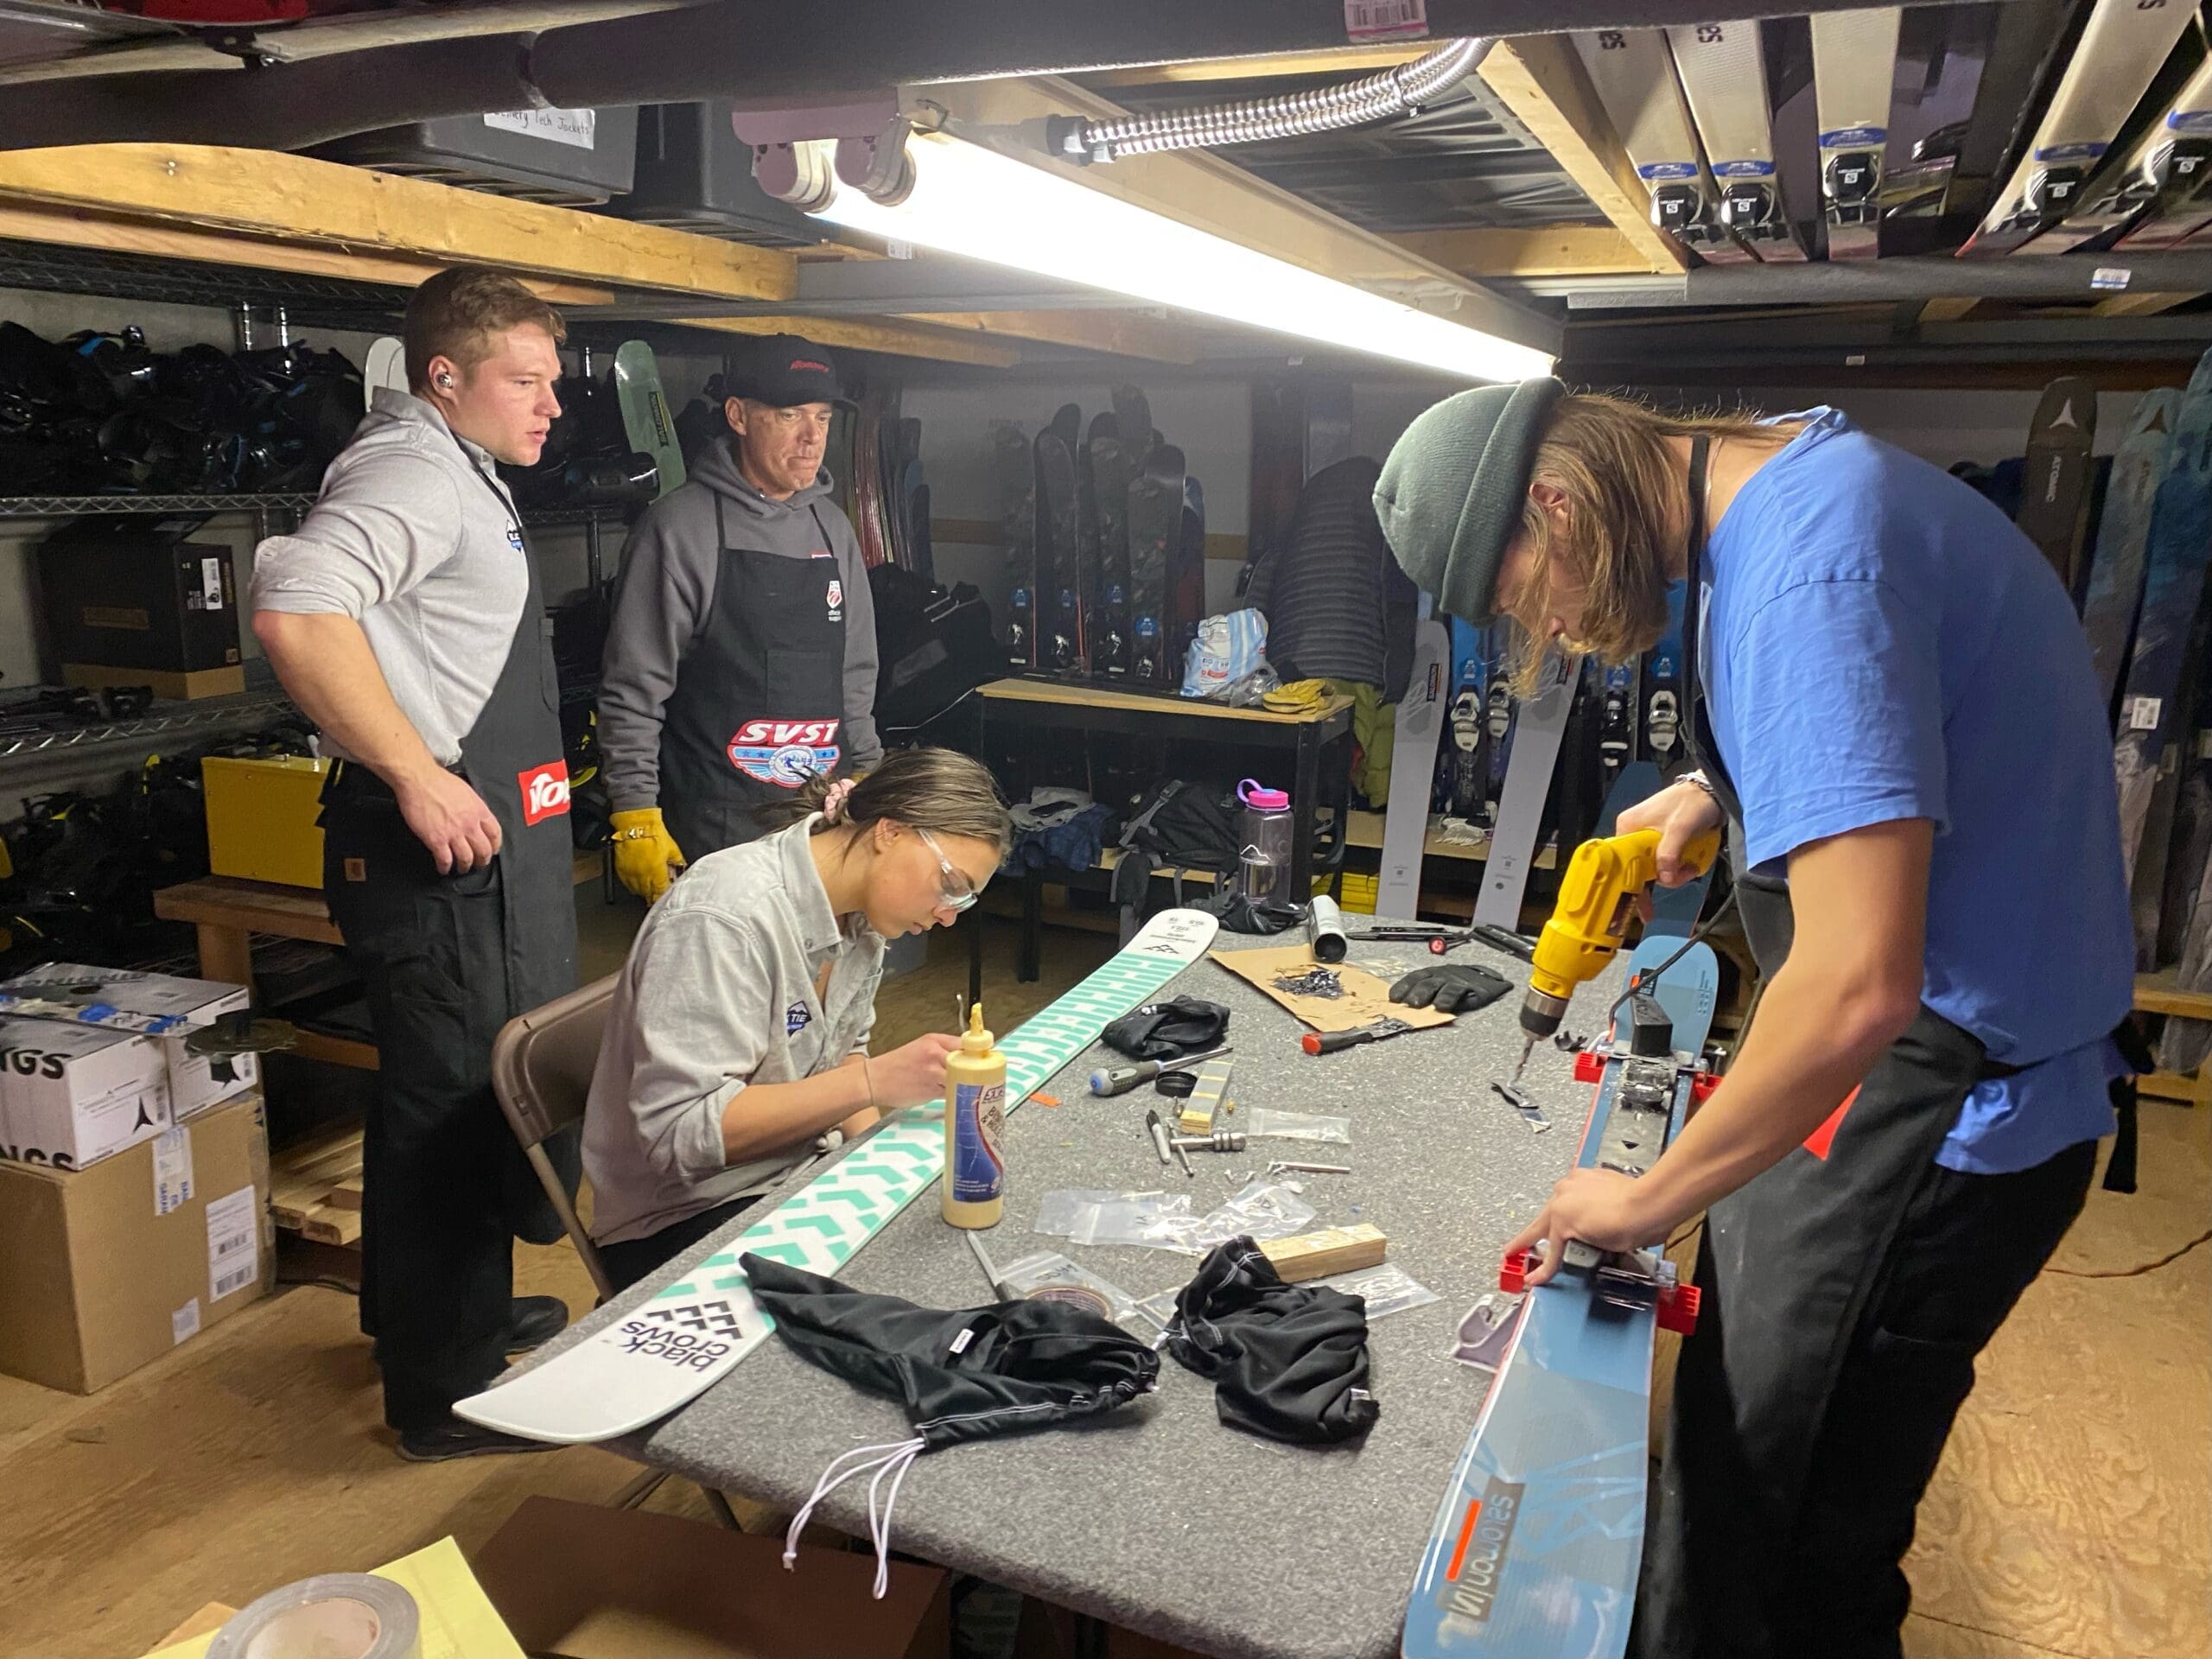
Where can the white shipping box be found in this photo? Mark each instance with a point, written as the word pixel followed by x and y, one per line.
pixel 158 1004
pixel 73 1094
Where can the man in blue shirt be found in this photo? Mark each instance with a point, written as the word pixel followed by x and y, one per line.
pixel 1892 706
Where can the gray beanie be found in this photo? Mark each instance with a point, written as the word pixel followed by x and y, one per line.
pixel 1450 494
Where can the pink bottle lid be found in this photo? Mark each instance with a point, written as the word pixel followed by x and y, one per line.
pixel 1262 800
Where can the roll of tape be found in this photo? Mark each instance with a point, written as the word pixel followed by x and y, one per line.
pixel 331 1616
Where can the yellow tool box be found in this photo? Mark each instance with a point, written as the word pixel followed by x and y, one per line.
pixel 261 817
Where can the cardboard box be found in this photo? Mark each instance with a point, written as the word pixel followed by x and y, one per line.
pixel 73 1094
pixel 103 1269
pixel 264 817
pixel 161 1005
pixel 579 1582
pixel 134 596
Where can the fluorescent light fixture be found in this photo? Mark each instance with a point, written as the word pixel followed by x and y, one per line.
pixel 973 201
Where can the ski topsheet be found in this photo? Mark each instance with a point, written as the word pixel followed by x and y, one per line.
pixel 2174 560
pixel 1014 471
pixel 1634 78
pixel 1111 475
pixel 646 417
pixel 689 1334
pixel 1155 529
pixel 1539 722
pixel 1854 58
pixel 2055 484
pixel 2115 592
pixel 2161 184
pixel 1413 764
pixel 384 368
pixel 1059 633
pixel 1723 76
pixel 1535 1552
pixel 1664 706
pixel 2124 44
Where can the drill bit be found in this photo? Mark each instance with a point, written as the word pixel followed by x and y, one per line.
pixel 1528 1046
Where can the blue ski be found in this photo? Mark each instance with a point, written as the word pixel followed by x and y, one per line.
pixel 1535 1548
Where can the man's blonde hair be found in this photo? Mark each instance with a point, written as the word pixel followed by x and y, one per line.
pixel 1627 509
pixel 457 313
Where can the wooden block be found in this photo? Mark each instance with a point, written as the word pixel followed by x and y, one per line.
pixel 1333 1250
pixel 327 1226
pixel 1210 1095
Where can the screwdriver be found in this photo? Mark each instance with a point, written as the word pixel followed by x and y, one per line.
pixel 1120 1079
pixel 1330 1042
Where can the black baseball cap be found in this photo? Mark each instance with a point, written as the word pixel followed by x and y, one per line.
pixel 785 370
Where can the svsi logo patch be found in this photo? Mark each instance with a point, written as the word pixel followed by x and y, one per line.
pixel 785 753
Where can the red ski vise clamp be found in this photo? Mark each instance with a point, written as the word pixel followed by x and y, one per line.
pixel 1513 1272
pixel 1702 1084
pixel 1677 1310
pixel 1590 1066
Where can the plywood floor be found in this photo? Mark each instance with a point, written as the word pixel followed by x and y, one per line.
pixel 2069 1519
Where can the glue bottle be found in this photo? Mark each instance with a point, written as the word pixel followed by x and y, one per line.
pixel 974 1126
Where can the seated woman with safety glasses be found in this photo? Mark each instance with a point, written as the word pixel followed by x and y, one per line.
pixel 736 1045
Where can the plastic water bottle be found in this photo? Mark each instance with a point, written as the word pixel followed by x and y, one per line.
pixel 1263 839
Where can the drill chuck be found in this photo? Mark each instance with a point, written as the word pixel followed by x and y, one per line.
pixel 1540 1012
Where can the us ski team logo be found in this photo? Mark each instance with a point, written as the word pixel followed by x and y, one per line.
pixel 796 1018
pixel 544 791
pixel 785 752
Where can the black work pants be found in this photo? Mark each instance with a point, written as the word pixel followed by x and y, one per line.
pixel 633 1259
pixel 437 1243
pixel 1832 1585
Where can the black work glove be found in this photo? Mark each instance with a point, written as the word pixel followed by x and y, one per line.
pixel 1458 988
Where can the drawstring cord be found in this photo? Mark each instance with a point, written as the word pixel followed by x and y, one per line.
pixel 894 1460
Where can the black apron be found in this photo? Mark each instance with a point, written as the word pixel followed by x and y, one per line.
pixel 759 705
pixel 1788 1267
pixel 447 961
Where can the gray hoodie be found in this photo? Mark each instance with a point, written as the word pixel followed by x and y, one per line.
pixel 427 559
pixel 667 585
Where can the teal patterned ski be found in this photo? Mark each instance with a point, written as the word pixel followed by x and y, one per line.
pixel 692 1333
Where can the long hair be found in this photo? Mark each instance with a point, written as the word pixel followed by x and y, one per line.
pixel 941 791
pixel 1627 511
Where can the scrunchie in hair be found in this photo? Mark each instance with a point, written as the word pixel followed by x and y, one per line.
pixel 833 804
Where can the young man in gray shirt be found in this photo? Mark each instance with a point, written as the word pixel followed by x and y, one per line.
pixel 741 657
pixel 403 617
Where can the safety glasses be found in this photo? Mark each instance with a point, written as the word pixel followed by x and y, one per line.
pixel 958 892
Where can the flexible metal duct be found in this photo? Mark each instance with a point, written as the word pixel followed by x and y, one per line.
pixel 1288 114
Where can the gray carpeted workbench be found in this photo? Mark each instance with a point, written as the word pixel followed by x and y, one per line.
pixel 1158 1518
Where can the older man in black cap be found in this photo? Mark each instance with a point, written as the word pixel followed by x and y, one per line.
pixel 741 660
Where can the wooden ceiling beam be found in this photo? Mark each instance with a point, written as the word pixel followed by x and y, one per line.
pixel 1540 79
pixel 74 227
pixel 1123 333
pixel 1554 250
pixel 264 193
pixel 1348 61
pixel 2139 305
pixel 860 334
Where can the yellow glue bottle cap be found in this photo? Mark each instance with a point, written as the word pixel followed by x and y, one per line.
pixel 975 1040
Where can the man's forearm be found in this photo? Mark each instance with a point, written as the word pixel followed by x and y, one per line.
pixel 764 1117
pixel 325 662
pixel 1817 1036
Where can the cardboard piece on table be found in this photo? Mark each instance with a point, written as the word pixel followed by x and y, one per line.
pixel 1366 999
pixel 458 1619
pixel 575 1582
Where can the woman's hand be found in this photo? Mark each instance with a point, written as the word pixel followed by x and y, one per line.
pixel 913 1073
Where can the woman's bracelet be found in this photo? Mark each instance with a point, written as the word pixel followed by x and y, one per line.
pixel 1698 780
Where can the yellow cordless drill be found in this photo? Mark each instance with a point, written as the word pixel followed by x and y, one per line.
pixel 1596 896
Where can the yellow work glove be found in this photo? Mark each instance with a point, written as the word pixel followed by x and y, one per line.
pixel 646 857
